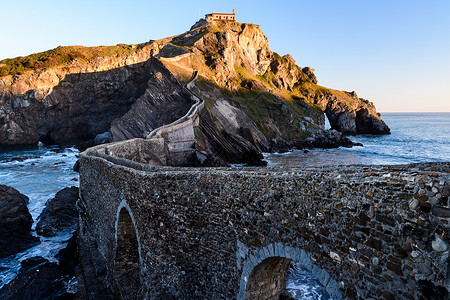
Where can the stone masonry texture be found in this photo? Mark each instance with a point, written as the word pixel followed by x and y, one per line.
pixel 366 232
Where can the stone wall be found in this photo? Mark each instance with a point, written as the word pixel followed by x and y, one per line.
pixel 363 231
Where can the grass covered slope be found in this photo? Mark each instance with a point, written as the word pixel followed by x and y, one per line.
pixel 61 56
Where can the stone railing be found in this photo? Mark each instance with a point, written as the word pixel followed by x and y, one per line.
pixel 163 146
pixel 186 119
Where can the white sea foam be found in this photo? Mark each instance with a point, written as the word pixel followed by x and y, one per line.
pixel 39 179
pixel 302 284
pixel 48 248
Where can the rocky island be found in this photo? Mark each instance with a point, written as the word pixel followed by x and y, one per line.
pixel 255 99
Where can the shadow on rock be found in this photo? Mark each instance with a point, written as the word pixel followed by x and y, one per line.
pixel 15 222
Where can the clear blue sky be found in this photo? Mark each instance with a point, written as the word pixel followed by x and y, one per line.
pixel 394 53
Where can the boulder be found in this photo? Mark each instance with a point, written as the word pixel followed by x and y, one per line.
pixel 15 222
pixel 59 214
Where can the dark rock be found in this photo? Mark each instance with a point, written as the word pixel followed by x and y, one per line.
pixel 40 279
pixel 60 213
pixel 224 147
pixel 407 247
pixel 395 267
pixel 377 269
pixel 329 139
pixel 425 207
pixel 388 295
pixel 320 139
pixel 76 166
pixel 445 192
pixel 15 222
pixel 373 243
pixel 366 252
pixel 102 138
pixel 350 114
pixel 440 211
pixel 286 296
pixel 58 150
pixel 432 292
pixel 368 123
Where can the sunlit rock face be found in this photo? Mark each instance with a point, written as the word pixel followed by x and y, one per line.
pixel 95 95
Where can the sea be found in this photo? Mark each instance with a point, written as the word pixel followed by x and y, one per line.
pixel 414 138
pixel 42 171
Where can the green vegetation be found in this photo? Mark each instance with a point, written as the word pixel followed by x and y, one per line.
pixel 63 56
pixel 267 112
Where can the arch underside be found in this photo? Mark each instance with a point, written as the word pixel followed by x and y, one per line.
pixel 126 265
pixel 265 271
pixel 268 279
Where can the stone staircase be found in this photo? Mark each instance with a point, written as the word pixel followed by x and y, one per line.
pixel 169 145
pixel 179 137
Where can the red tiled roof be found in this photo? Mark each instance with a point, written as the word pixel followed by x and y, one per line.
pixel 219 14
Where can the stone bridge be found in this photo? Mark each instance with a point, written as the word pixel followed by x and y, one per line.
pixel 365 232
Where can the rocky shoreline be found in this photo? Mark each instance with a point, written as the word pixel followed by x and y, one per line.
pixel 39 278
pixel 323 139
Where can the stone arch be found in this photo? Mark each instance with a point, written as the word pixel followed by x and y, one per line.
pixel 127 258
pixel 271 262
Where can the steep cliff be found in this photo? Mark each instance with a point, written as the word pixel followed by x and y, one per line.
pixel 257 94
pixel 236 57
pixel 255 98
pixel 75 102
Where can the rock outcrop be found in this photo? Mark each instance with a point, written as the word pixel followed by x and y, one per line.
pixel 163 101
pixel 15 222
pixel 348 113
pixel 59 214
pixel 282 100
pixel 325 139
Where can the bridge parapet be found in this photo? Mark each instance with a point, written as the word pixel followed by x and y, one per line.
pixel 364 231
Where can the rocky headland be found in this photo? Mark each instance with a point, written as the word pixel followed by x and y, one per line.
pixel 255 99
